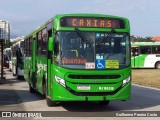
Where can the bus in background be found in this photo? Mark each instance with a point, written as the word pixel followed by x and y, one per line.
pixel 145 55
pixel 80 57
pixel 7 57
pixel 17 53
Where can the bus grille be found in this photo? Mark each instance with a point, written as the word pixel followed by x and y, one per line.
pixel 94 76
pixel 93 93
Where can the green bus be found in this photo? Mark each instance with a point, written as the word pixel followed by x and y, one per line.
pixel 145 55
pixel 80 57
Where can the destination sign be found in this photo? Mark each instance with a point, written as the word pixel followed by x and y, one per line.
pixel 91 22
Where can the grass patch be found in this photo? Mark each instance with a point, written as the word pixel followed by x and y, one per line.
pixel 146 77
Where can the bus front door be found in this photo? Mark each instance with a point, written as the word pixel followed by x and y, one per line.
pixel 135 58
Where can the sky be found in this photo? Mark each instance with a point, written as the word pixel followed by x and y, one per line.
pixel 26 15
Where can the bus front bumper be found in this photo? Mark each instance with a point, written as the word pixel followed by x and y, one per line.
pixel 60 93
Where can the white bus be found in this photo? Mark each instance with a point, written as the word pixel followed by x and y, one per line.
pixel 17 58
pixel 145 55
pixel 7 58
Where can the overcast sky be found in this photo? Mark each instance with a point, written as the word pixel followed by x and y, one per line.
pixel 26 15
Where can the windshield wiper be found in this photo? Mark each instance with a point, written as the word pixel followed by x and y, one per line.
pixel 84 39
pixel 112 33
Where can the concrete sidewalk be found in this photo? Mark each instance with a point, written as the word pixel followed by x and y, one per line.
pixel 9 99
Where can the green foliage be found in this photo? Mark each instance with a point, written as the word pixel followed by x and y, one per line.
pixel 140 39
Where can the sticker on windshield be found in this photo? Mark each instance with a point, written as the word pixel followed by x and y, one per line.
pixel 99 57
pixel 90 65
pixel 100 64
pixel 114 64
pixel 73 60
pixel 98 35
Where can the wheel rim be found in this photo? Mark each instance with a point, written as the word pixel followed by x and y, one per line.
pixel 158 66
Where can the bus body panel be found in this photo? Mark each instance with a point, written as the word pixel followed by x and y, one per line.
pixel 111 90
pixel 138 61
pixel 14 65
pixel 27 68
pixel 41 72
pixel 64 95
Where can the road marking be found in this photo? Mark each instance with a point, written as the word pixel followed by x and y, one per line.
pixel 146 87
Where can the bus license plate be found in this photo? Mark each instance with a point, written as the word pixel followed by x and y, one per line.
pixel 83 87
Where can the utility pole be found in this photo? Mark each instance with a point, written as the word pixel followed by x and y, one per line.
pixel 2 59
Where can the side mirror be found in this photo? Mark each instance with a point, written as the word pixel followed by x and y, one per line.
pixel 50 44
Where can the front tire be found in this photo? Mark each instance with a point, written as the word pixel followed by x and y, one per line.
pixel 31 89
pixel 14 74
pixel 104 102
pixel 19 77
pixel 50 103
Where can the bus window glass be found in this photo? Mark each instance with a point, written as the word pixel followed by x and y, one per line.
pixel 135 51
pixel 145 49
pixel 44 41
pixel 30 45
pixel 22 46
pixel 74 51
pixel 39 42
pixel 156 49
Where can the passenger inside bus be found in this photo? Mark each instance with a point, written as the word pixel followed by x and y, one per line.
pixel 116 52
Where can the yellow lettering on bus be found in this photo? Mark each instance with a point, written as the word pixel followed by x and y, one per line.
pixel 88 23
pixel 81 22
pixel 95 23
pixel 102 23
pixel 109 23
pixel 74 22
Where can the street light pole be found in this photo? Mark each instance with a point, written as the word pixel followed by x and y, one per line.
pixel 2 59
pixel 3 37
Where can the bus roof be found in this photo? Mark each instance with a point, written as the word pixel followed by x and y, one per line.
pixel 7 49
pixel 59 16
pixel 88 15
pixel 145 43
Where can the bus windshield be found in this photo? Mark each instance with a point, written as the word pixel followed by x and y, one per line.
pixel 92 50
pixel 22 46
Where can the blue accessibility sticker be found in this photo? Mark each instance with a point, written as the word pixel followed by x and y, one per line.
pixel 100 64
pixel 98 35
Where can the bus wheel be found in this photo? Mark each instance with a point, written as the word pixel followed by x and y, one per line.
pixel 19 77
pixel 158 65
pixel 50 103
pixel 14 74
pixel 104 102
pixel 31 89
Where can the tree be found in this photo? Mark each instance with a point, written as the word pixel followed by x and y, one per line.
pixel 140 39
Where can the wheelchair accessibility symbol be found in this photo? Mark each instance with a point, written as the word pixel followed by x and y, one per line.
pixel 100 64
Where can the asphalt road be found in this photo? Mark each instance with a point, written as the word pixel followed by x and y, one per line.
pixel 15 96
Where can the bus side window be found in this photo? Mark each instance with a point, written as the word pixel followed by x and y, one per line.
pixel 148 51
pixel 39 43
pixel 156 50
pixel 134 52
pixel 145 50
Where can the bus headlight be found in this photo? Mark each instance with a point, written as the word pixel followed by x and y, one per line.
pixel 127 80
pixel 60 81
